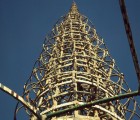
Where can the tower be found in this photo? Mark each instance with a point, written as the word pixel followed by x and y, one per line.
pixel 74 69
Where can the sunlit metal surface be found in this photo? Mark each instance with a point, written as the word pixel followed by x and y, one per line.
pixel 75 68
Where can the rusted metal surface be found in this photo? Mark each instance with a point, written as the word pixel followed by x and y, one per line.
pixel 75 68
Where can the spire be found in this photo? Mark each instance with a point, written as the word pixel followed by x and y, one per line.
pixel 73 8
pixel 75 68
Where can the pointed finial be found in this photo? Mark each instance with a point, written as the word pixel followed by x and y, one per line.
pixel 74 8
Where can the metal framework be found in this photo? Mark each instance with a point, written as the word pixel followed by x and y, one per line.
pixel 75 78
pixel 75 69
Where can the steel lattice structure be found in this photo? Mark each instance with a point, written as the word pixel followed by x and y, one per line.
pixel 74 70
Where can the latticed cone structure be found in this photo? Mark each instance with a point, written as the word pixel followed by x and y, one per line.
pixel 75 68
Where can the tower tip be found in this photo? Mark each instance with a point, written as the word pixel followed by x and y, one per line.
pixel 74 7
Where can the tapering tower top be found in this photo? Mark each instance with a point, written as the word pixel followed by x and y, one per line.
pixel 74 8
pixel 74 69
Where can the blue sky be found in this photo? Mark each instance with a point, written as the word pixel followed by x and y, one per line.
pixel 25 23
